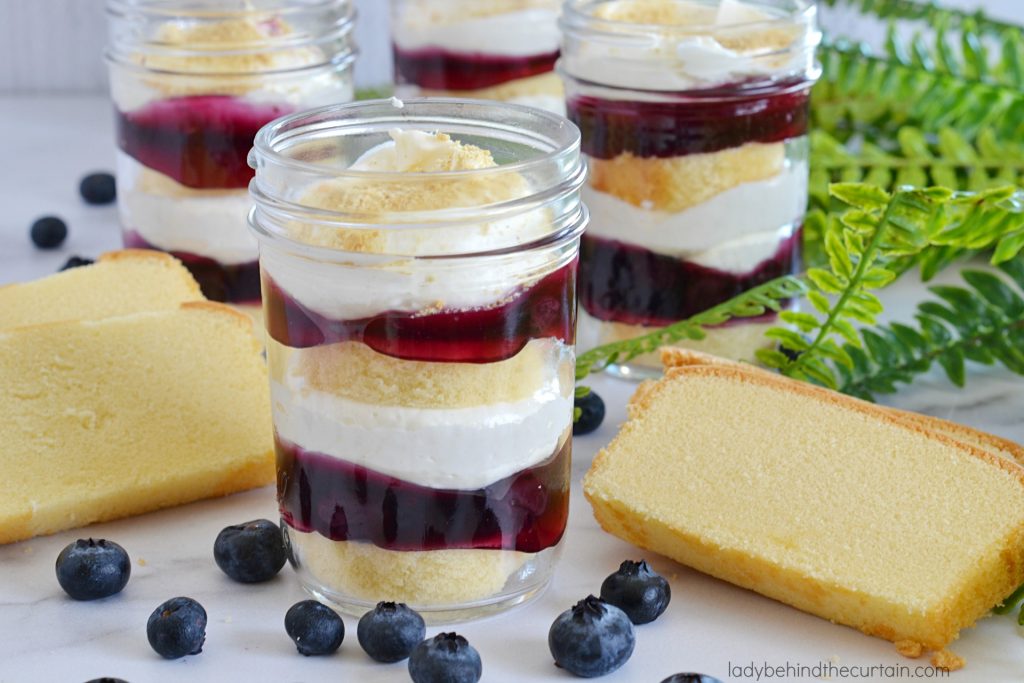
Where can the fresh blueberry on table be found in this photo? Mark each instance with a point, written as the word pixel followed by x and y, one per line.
pixel 107 679
pixel 390 631
pixel 76 262
pixel 691 678
pixel 591 414
pixel 251 552
pixel 98 188
pixel 177 628
pixel 315 628
pixel 445 658
pixel 637 590
pixel 592 638
pixel 48 232
pixel 90 569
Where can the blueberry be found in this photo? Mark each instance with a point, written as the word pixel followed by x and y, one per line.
pixel 390 631
pixel 591 639
pixel 91 569
pixel 177 628
pixel 591 415
pixel 76 262
pixel 445 658
pixel 637 590
pixel 250 552
pixel 315 628
pixel 691 678
pixel 48 232
pixel 98 188
pixel 107 679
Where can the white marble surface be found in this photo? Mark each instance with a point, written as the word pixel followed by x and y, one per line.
pixel 46 637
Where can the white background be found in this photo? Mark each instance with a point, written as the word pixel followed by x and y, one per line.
pixel 55 45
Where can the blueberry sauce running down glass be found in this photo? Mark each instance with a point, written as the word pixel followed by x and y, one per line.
pixel 436 69
pixel 346 502
pixel 710 121
pixel 201 141
pixel 237 284
pixel 543 310
pixel 628 284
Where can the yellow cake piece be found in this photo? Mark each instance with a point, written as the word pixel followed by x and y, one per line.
pixel 549 84
pixel 820 501
pixel 436 577
pixel 675 357
pixel 674 184
pixel 119 283
pixel 355 371
pixel 102 419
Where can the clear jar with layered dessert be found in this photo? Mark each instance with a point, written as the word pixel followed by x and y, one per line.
pixel 694 122
pixel 419 266
pixel 488 49
pixel 192 82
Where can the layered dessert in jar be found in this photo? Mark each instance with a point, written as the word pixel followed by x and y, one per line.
pixel 487 49
pixel 694 121
pixel 192 83
pixel 418 265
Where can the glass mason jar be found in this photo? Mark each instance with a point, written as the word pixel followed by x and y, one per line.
pixel 419 298
pixel 192 81
pixel 496 50
pixel 694 122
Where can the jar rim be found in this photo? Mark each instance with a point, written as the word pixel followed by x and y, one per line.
pixel 578 14
pixel 171 9
pixel 557 161
pixel 271 135
pixel 335 27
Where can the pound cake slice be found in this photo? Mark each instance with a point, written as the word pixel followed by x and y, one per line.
pixel 109 418
pixel 119 283
pixel 822 502
pixel 674 357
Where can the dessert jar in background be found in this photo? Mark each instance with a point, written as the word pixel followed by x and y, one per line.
pixel 419 265
pixel 694 123
pixel 487 49
pixel 192 82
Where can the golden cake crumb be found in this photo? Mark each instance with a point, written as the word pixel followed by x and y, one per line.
pixel 909 648
pixel 944 659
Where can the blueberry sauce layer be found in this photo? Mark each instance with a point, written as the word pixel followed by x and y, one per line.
pixel 690 124
pixel 436 69
pixel 201 141
pixel 345 502
pixel 236 284
pixel 628 284
pixel 543 310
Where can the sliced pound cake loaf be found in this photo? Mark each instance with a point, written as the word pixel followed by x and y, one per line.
pixel 101 419
pixel 119 283
pixel 823 502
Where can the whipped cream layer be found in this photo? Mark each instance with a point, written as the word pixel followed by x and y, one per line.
pixel 444 448
pixel 483 27
pixel 693 46
pixel 210 223
pixel 733 231
pixel 346 291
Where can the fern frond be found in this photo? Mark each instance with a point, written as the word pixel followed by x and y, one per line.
pixel 982 322
pixel 770 296
pixel 947 159
pixel 862 91
pixel 875 232
pixel 928 12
